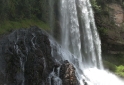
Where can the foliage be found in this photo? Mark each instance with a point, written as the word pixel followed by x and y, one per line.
pixel 8 26
pixel 21 9
pixel 95 6
pixel 102 30
pixel 22 14
pixel 120 71
pixel 109 66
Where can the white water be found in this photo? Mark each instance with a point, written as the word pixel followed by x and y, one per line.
pixel 101 77
pixel 91 41
pixel 54 78
pixel 81 45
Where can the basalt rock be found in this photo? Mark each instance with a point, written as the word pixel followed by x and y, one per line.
pixel 25 59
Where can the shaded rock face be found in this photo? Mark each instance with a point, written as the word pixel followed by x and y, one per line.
pixel 117 14
pixel 110 26
pixel 25 58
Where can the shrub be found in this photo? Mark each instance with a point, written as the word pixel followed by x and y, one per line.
pixel 120 71
pixel 95 6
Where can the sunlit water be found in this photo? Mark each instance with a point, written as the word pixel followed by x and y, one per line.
pixel 101 77
pixel 81 45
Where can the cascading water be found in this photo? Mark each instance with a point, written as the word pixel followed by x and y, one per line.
pixel 71 32
pixel 80 43
pixel 70 28
pixel 91 41
pixel 56 80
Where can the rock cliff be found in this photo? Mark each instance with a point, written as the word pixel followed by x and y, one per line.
pixel 25 59
pixel 110 24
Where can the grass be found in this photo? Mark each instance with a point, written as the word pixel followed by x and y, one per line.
pixel 8 26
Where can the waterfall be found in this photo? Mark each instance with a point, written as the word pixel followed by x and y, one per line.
pixel 70 38
pixel 91 41
pixel 80 43
pixel 72 32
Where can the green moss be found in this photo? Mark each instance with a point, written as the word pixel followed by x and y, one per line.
pixel 7 26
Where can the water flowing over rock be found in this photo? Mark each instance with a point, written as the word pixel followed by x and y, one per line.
pixel 30 57
pixel 80 43
pixel 26 58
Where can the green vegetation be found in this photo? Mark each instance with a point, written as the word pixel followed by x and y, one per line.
pixel 116 59
pixel 15 14
pixel 115 64
pixel 109 66
pixel 120 71
pixel 95 6
pixel 8 26
pixel 112 62
pixel 20 9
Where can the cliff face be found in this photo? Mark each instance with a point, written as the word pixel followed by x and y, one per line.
pixel 110 24
pixel 25 59
pixel 116 13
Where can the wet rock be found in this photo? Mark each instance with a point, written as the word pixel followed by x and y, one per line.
pixel 85 83
pixel 67 74
pixel 1 78
pixel 26 59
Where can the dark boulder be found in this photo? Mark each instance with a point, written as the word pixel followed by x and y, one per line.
pixel 25 59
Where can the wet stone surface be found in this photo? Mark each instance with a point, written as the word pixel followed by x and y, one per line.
pixel 25 59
